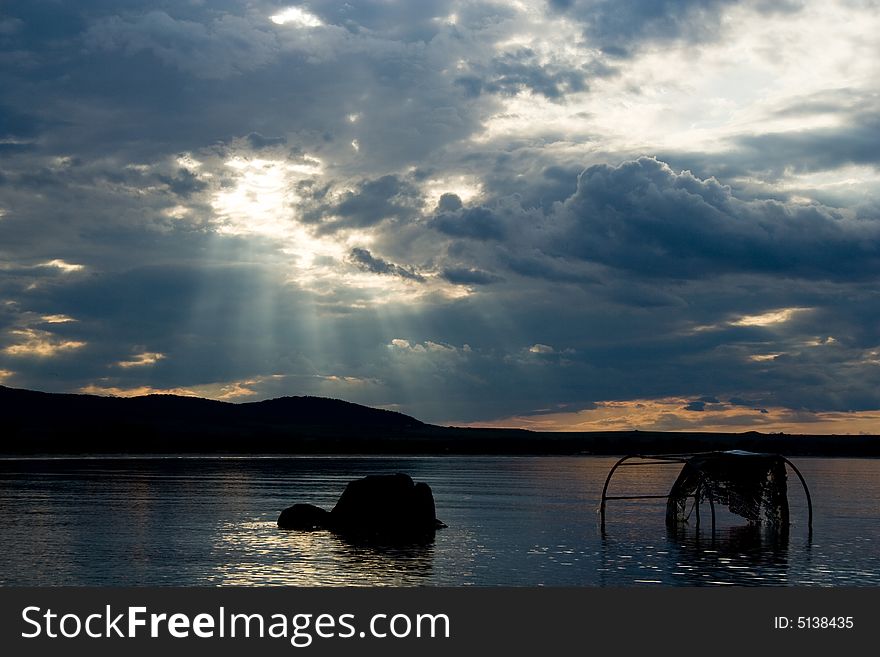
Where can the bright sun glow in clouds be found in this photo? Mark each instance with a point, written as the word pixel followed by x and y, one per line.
pixel 261 203
pixel 297 17
pixel 261 200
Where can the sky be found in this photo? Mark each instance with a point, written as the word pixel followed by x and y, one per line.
pixel 552 214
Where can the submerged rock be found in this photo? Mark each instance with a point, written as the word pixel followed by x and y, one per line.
pixel 303 516
pixel 386 505
pixel 382 507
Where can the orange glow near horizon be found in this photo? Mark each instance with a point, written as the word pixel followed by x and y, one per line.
pixel 665 414
pixel 670 414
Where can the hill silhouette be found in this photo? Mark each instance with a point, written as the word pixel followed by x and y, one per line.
pixel 33 423
pixel 51 422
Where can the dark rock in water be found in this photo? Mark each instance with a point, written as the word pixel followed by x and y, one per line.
pixel 385 505
pixel 381 507
pixel 303 516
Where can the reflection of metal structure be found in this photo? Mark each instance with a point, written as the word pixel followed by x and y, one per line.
pixel 749 484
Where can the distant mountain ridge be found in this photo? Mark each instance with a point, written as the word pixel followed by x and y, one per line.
pixel 81 422
pixel 42 423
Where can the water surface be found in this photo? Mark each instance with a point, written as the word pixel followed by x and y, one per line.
pixel 512 521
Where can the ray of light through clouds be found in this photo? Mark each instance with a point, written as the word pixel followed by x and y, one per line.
pixel 580 214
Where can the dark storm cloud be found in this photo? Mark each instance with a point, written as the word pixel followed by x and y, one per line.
pixel 775 155
pixel 226 46
pixel 18 125
pixel 185 183
pixel 478 223
pixel 822 149
pixel 370 203
pixel 645 217
pixel 620 26
pixel 259 142
pixel 97 213
pixel 449 203
pixel 625 353
pixel 468 276
pixel 557 183
pixel 575 273
pixel 399 19
pixel 541 266
pixel 366 261
pixel 755 405
pixel 541 186
pixel 513 72
pixel 704 403
pixel 210 65
pixel 644 273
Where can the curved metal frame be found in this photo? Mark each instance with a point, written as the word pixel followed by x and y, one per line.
pixel 663 459
pixel 806 492
pixel 666 459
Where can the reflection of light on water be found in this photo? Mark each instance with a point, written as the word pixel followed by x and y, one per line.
pixel 260 553
pixel 745 554
pixel 512 521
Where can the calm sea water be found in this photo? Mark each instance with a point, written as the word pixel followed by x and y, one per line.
pixel 512 521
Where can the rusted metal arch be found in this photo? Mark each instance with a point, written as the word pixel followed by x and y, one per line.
pixel 661 459
pixel 664 459
pixel 806 492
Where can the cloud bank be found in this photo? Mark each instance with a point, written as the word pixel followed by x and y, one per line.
pixel 561 214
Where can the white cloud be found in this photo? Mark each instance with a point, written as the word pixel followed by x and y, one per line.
pixel 226 46
pixel 769 318
pixel 64 266
pixel 143 359
pixel 428 347
pixel 760 358
pixel 39 344
pixel 57 319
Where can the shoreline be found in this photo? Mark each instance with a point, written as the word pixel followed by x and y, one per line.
pixel 439 443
